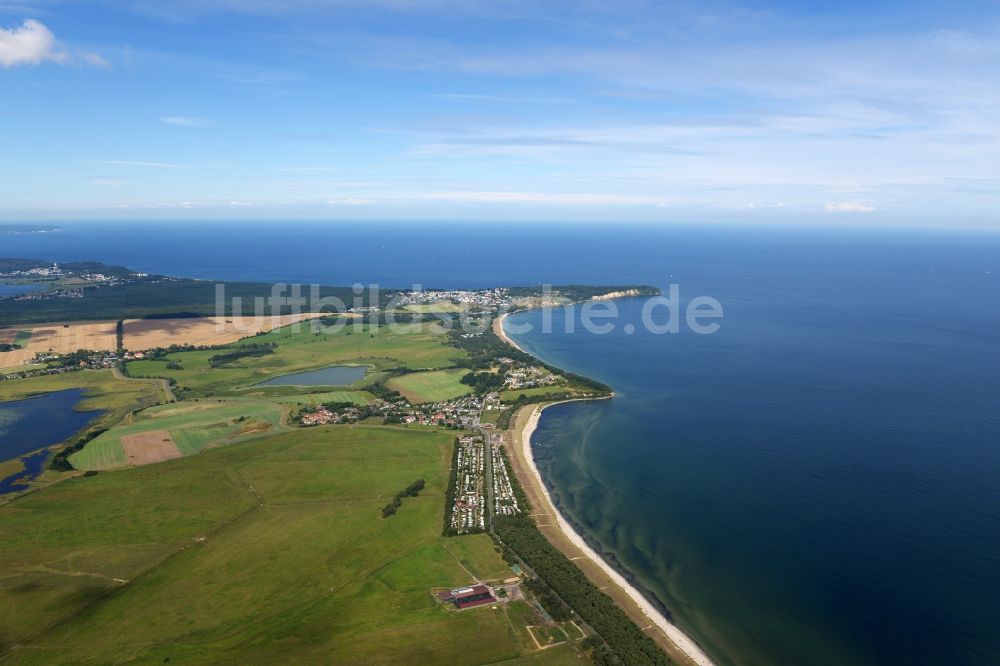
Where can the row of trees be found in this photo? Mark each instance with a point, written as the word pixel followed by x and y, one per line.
pixel 60 461
pixel 625 641
pixel 411 490
pixel 222 360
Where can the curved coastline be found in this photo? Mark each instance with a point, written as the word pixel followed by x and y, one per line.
pixel 502 334
pixel 522 453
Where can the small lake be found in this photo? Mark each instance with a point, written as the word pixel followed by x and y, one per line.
pixel 18 289
pixel 35 423
pixel 337 375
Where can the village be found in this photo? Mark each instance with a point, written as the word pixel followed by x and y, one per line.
pixel 69 281
pixel 460 413
pixel 486 299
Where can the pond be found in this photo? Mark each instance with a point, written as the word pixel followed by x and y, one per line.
pixel 336 375
pixel 35 423
pixel 18 289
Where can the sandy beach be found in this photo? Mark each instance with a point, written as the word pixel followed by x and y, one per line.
pixel 498 329
pixel 669 635
pixel 562 535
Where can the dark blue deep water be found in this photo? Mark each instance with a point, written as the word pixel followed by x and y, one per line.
pixel 816 483
pixel 34 423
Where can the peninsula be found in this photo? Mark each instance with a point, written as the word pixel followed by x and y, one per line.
pixel 310 484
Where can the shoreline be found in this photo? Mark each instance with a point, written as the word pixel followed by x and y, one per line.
pixel 681 641
pixel 522 456
pixel 500 333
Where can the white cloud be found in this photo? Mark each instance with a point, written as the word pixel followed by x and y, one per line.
pixel 93 60
pixel 186 121
pixel 848 207
pixel 32 43
pixel 350 201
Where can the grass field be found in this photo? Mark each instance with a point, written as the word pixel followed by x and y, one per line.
pixel 439 306
pixel 21 338
pixel 511 396
pixel 263 552
pixel 414 346
pixel 193 426
pixel 22 368
pixel 357 397
pixel 432 386
pixel 490 416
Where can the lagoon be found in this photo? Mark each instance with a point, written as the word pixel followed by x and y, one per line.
pixel 35 423
pixel 8 290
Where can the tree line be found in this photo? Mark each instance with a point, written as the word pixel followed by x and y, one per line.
pixel 411 490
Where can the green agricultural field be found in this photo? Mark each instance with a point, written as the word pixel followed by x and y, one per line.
pixel 22 368
pixel 22 337
pixel 415 346
pixel 312 399
pixel 193 426
pixel 439 306
pixel 434 386
pixel 268 551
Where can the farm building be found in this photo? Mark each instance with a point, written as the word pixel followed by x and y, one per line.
pixel 468 597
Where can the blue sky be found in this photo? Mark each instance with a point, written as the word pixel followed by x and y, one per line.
pixel 519 110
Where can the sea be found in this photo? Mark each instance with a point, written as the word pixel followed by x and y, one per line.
pixel 816 482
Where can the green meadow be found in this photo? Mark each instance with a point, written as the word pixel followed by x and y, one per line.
pixel 438 306
pixel 412 346
pixel 193 426
pixel 313 399
pixel 265 542
pixel 434 386
pixel 514 394
pixel 268 551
